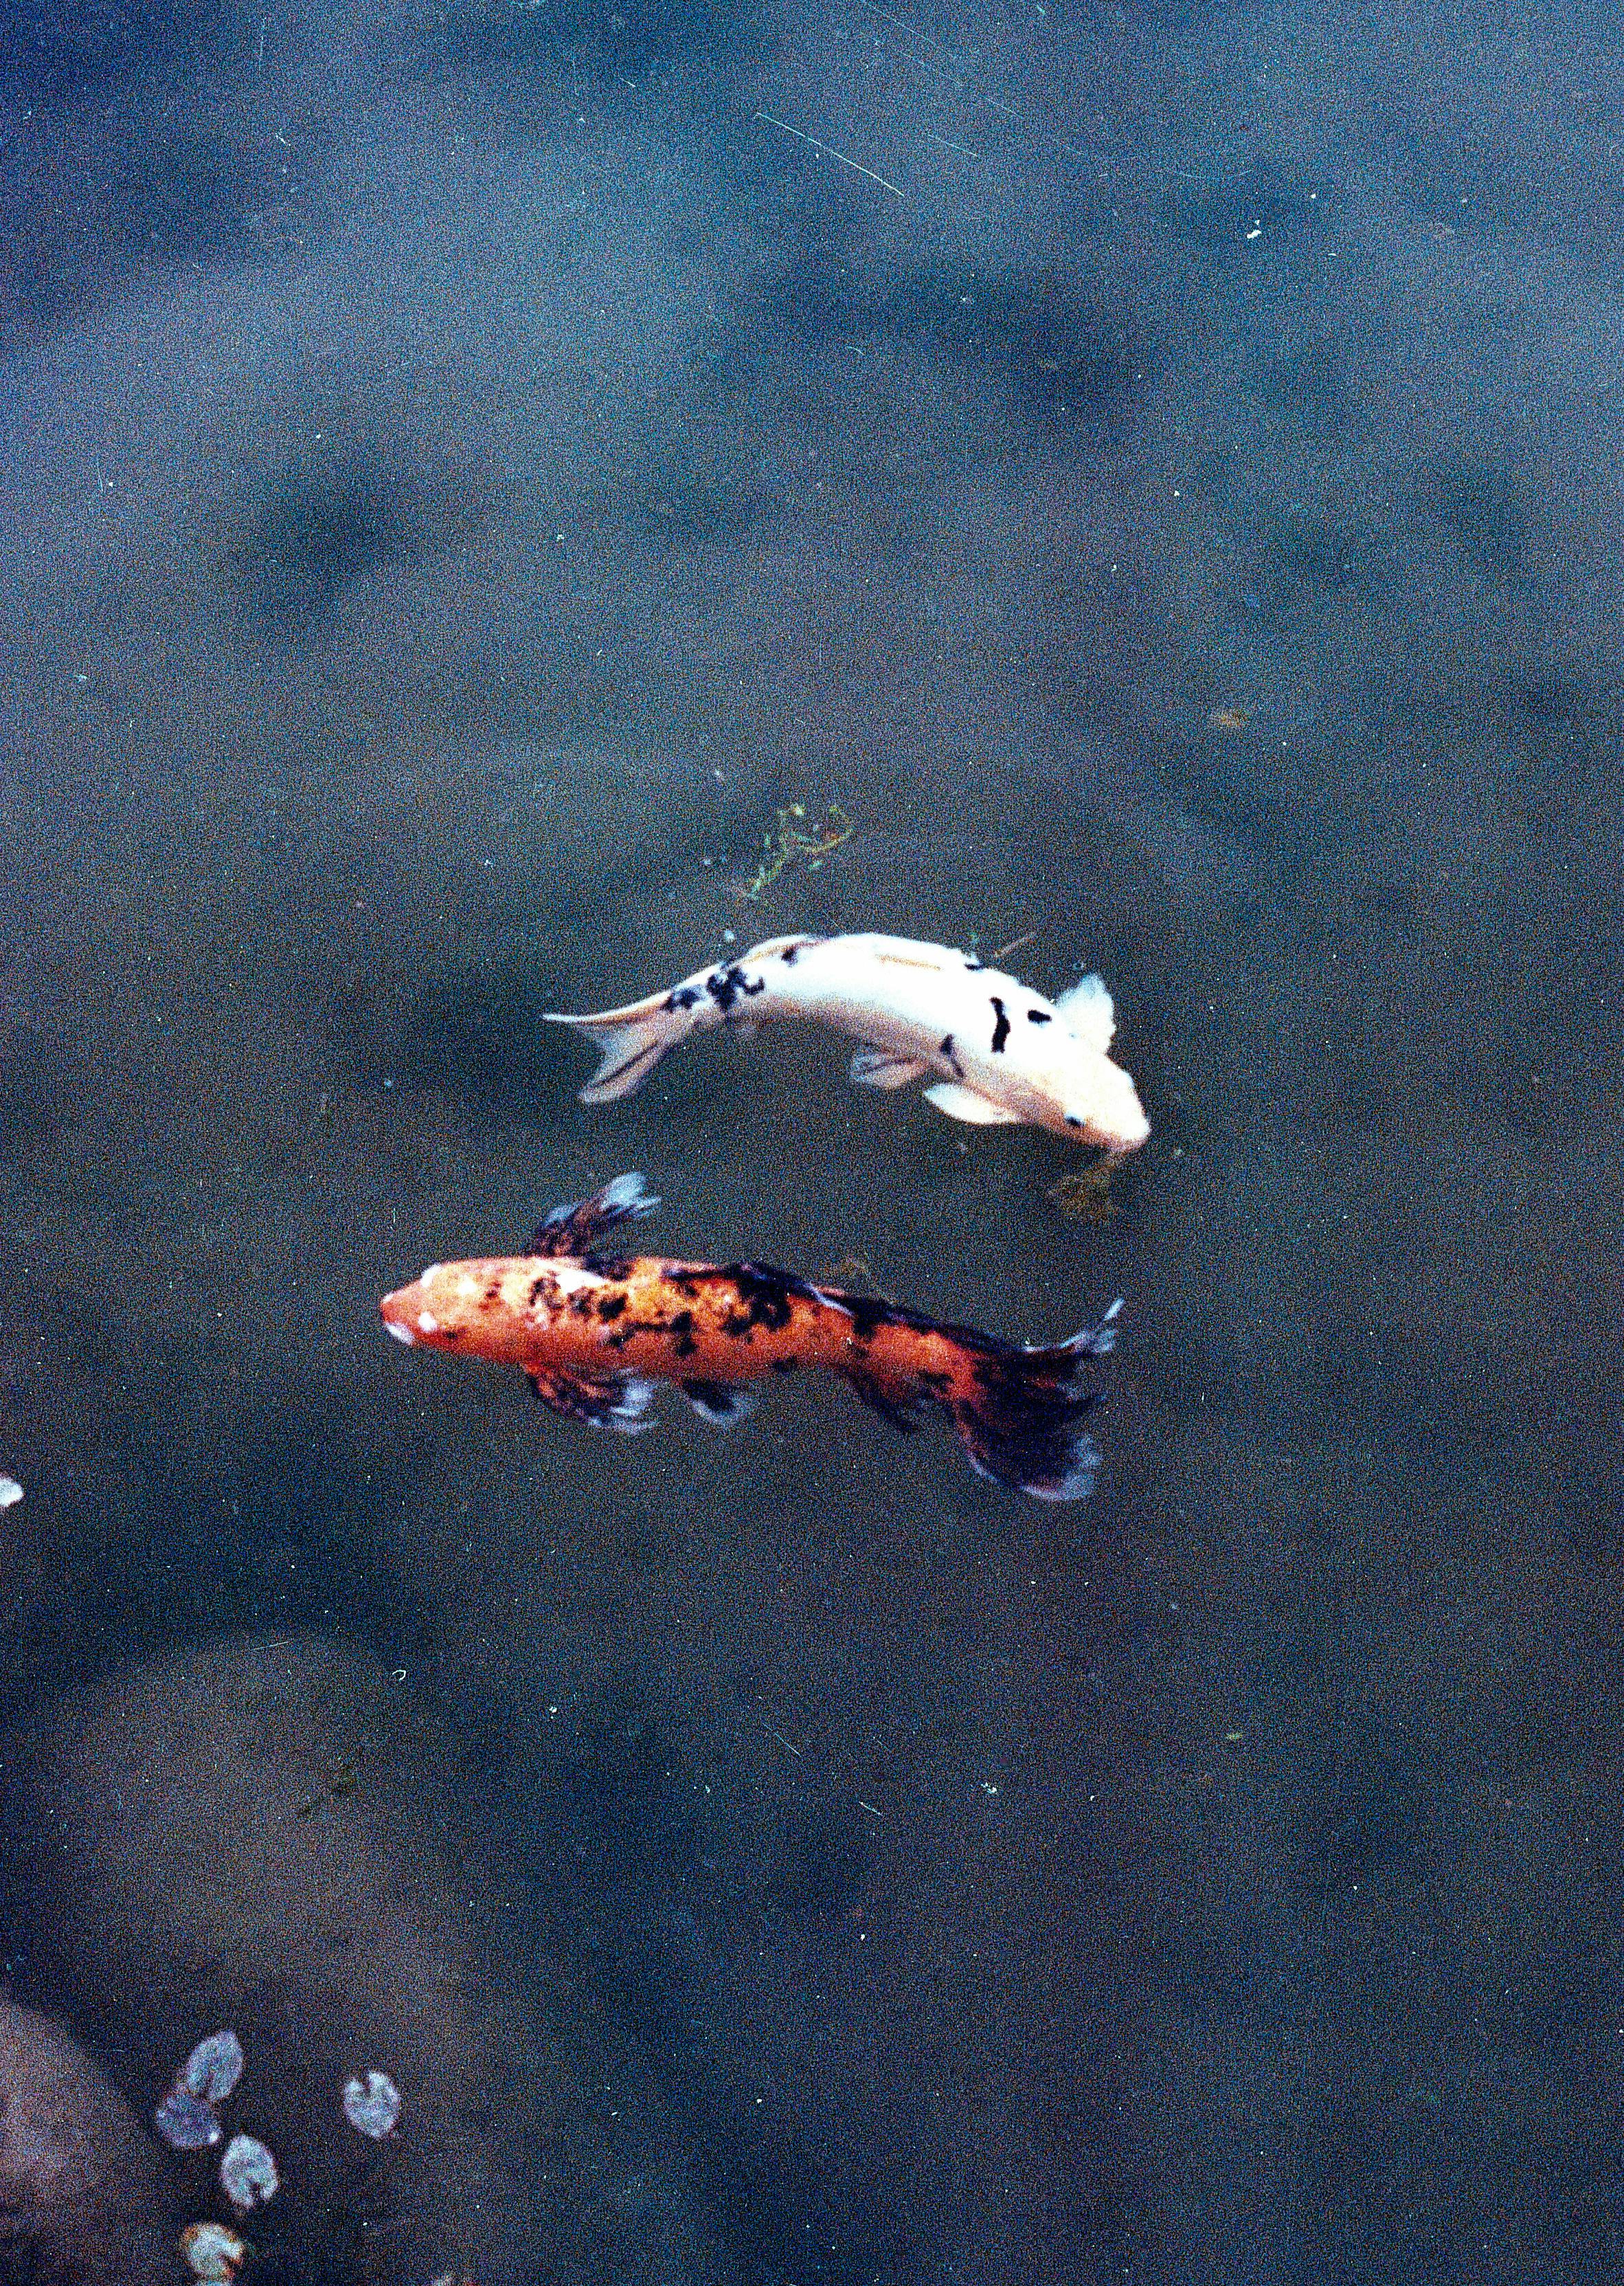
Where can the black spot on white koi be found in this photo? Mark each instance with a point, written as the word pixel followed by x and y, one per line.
pixel 946 1049
pixel 1000 1031
pixel 727 985
pixel 1037 1015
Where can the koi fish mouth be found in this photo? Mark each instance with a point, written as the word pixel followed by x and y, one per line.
pixel 399 1320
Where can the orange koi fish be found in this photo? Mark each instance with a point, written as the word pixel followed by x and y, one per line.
pixel 595 1333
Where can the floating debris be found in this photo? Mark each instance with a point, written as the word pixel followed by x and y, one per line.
pixel 790 840
pixel 11 1492
pixel 1084 1196
pixel 213 2067
pixel 372 2106
pixel 248 2173
pixel 850 1270
pixel 186 2122
pixel 338 1782
pixel 1228 718
pixel 212 2252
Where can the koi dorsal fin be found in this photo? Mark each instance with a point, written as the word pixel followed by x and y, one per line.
pixel 575 1230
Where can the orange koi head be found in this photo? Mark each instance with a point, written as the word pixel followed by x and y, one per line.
pixel 493 1309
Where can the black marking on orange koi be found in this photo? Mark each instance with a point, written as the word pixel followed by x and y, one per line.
pixel 867 1311
pixel 681 1331
pixel 767 1295
pixel 610 1306
pixel 1000 1031
pixel 787 1365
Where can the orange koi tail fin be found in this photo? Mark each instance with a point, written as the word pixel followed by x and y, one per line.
pixel 1020 1412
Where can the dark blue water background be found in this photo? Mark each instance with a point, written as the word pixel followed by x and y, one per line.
pixel 465 468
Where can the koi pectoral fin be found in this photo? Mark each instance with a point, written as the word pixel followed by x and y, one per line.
pixel 621 1403
pixel 878 1067
pixel 964 1103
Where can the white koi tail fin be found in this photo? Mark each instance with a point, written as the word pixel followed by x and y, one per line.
pixel 633 1039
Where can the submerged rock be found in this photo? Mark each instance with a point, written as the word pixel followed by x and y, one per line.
pixel 213 2254
pixel 255 1834
pixel 186 2122
pixel 214 2067
pixel 83 2191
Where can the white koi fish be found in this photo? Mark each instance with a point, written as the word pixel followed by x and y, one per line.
pixel 998 1052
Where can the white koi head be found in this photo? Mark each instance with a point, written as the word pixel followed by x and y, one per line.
pixel 1096 1099
pixel 1103 1106
pixel 1072 1089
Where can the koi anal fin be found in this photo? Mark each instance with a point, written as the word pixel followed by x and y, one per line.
pixel 575 1230
pixel 902 1398
pixel 621 1403
pixel 720 1401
